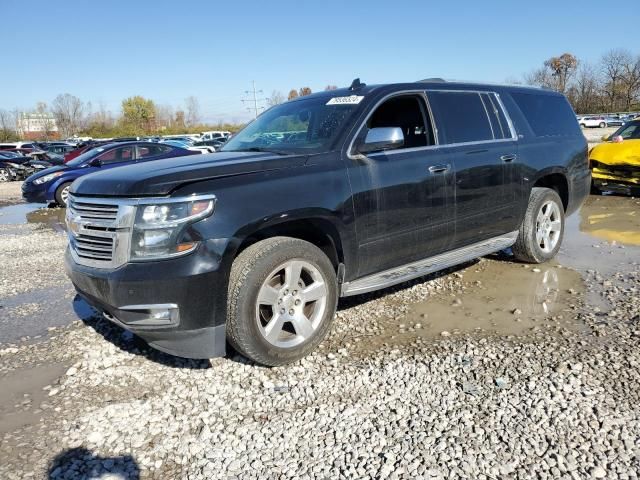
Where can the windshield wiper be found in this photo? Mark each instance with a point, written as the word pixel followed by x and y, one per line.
pixel 262 149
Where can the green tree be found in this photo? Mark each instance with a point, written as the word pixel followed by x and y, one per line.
pixel 138 115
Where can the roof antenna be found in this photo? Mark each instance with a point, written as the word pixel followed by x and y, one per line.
pixel 356 84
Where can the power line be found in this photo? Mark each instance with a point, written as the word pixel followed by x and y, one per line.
pixel 253 98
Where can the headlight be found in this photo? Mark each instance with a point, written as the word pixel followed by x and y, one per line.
pixel 47 178
pixel 159 226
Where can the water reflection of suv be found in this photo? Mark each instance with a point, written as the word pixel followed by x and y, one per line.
pixel 333 194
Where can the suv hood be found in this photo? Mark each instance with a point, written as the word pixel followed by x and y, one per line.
pixel 161 177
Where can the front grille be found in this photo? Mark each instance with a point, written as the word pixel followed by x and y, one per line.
pixel 83 210
pixel 93 247
pixel 99 230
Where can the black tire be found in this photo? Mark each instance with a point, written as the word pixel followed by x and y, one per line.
pixel 59 194
pixel 603 125
pixel 526 248
pixel 595 190
pixel 248 273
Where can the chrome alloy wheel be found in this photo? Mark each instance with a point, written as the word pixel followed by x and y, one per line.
pixel 64 194
pixel 4 175
pixel 291 303
pixel 548 226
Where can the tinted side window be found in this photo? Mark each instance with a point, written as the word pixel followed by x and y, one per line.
pixel 499 124
pixel 146 151
pixel 460 117
pixel 406 112
pixel 548 115
pixel 117 155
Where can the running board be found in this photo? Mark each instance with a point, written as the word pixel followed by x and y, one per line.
pixel 428 265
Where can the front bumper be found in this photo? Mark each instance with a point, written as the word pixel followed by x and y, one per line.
pixel 621 178
pixel 33 193
pixel 192 288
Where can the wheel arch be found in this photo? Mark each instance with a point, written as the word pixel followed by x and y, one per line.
pixel 315 229
pixel 555 179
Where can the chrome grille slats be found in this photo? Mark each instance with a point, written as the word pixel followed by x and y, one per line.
pixel 85 210
pixel 99 230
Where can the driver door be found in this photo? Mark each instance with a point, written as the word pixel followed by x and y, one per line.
pixel 403 198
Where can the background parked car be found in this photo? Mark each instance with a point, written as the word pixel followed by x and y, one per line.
pixel 593 122
pixel 614 121
pixel 51 185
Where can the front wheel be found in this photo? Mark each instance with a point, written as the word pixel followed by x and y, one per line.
pixel 282 299
pixel 542 229
pixel 4 175
pixel 603 125
pixel 62 194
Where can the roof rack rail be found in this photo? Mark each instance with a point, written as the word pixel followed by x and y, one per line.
pixel 432 80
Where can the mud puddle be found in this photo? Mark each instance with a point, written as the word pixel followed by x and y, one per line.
pixel 604 235
pixel 497 297
pixel 21 213
pixel 22 394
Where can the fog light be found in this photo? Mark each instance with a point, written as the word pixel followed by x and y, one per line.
pixel 163 314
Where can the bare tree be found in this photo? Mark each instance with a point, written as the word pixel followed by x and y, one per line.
pixel 612 65
pixel 304 91
pixel 293 93
pixel 46 120
pixel 540 77
pixel 330 87
pixel 69 112
pixel 585 92
pixel 193 111
pixel 7 126
pixel 631 82
pixel 276 98
pixel 164 116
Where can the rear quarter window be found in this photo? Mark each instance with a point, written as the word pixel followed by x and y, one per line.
pixel 548 115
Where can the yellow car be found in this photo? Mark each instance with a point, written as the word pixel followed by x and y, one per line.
pixel 615 163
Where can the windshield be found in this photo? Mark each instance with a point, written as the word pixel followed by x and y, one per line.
pixel 630 131
pixel 302 126
pixel 88 155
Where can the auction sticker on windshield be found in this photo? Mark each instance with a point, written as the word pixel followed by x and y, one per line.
pixel 350 100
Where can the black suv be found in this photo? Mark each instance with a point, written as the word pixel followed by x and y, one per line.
pixel 329 195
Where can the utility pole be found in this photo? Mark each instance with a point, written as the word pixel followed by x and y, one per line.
pixel 253 93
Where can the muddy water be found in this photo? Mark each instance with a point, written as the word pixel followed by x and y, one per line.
pixel 502 297
pixel 52 218
pixel 22 394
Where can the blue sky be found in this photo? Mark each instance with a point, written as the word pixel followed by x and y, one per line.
pixel 105 51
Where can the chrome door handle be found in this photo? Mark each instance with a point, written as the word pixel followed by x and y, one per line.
pixel 508 158
pixel 439 168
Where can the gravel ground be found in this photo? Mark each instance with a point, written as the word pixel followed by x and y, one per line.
pixel 378 400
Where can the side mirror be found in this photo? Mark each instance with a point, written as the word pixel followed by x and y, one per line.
pixel 605 138
pixel 382 138
pixel 96 162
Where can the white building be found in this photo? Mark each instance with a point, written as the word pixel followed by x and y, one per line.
pixel 33 126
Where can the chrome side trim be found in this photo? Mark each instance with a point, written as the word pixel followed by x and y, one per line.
pixel 420 268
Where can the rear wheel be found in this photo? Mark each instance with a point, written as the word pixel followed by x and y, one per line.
pixel 4 175
pixel 62 194
pixel 602 125
pixel 542 229
pixel 282 298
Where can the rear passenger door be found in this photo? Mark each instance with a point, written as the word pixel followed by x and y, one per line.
pixel 474 129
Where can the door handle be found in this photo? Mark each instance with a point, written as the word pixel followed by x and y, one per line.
pixel 439 168
pixel 508 158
